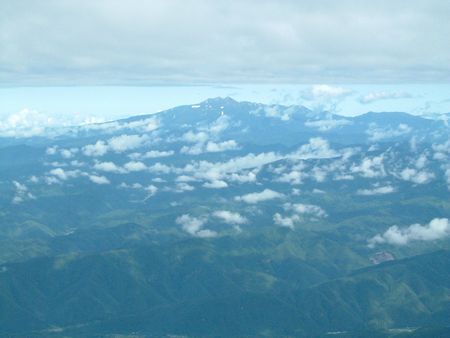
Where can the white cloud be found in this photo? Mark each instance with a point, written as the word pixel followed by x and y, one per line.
pixel 275 111
pixel 151 190
pixel 370 167
pixel 209 147
pixel 316 148
pixel 256 197
pixel 416 176
pixel 288 222
pixel 122 143
pixel 388 189
pixel 376 133
pixel 324 91
pixel 438 228
pixel 182 187
pixel 99 179
pixel 151 154
pixel 29 123
pixel 64 175
pixel 192 137
pixel 22 193
pixel 442 151
pixel 118 144
pixel 328 124
pixel 216 184
pixel 109 167
pixel 160 168
pixel 383 95
pixel 298 211
pixel 142 125
pixel 135 166
pixel 306 209
pixel 213 147
pixel 229 217
pixel 194 226
pixel 100 148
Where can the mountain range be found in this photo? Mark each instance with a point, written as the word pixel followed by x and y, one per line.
pixel 228 219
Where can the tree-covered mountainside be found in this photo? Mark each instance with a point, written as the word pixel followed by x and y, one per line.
pixel 228 219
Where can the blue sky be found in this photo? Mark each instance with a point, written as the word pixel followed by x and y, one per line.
pixel 77 104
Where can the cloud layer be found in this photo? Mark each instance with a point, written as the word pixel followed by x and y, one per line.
pixel 199 41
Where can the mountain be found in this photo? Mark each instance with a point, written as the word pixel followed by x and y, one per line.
pixel 228 218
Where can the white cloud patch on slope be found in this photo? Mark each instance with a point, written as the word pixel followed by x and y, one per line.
pixel 437 228
pixel 257 197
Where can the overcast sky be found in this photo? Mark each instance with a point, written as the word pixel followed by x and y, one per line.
pixel 75 61
pixel 184 42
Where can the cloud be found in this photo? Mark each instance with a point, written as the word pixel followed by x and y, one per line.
pixel 135 166
pixel 298 212
pixel 118 144
pixel 151 154
pixel 416 176
pixel 306 209
pixel 275 111
pixel 22 193
pixel 151 190
pixel 64 175
pixel 194 226
pixel 212 147
pixel 28 123
pixel 383 95
pixel 109 167
pixel 122 143
pixel 233 218
pixel 377 134
pixel 438 228
pixel 182 187
pixel 142 125
pixel 288 222
pixel 257 197
pixel 324 91
pixel 328 124
pixel 139 42
pixel 216 184
pixel 370 167
pixel 100 148
pixel 99 179
pixel 387 189
pixel 316 148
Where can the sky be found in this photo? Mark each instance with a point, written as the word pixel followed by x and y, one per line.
pixel 80 60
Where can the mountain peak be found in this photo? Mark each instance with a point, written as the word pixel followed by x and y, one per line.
pixel 221 100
